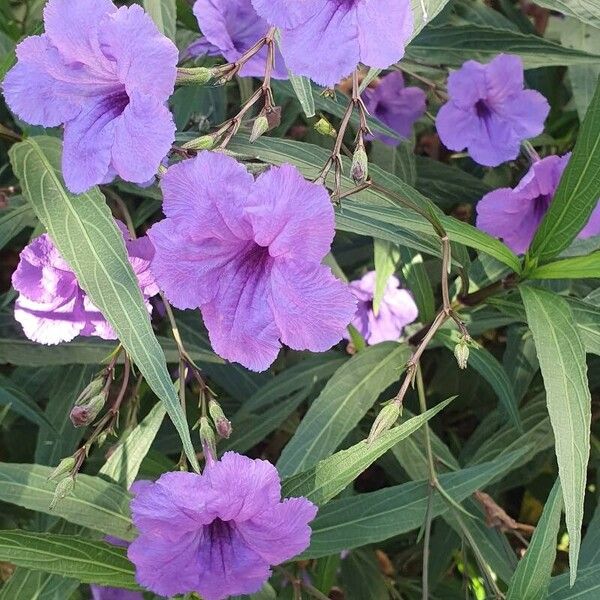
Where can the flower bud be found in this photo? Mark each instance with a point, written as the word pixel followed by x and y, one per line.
pixel 261 125
pixel 63 488
pixel 208 441
pixel 83 414
pixel 204 142
pixel 65 466
pixel 360 165
pixel 461 352
pixel 385 419
pixel 222 423
pixel 92 389
pixel 194 76
pixel 324 127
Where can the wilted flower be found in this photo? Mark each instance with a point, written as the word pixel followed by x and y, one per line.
pixel 230 27
pixel 218 533
pixel 397 309
pixel 326 39
pixel 248 254
pixel 106 74
pixel 513 215
pixel 395 105
pixel 52 307
pixel 489 112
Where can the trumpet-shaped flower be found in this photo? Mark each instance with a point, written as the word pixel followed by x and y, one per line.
pixel 218 533
pixel 106 74
pixel 326 39
pixel 489 112
pixel 248 253
pixel 51 306
pixel 514 214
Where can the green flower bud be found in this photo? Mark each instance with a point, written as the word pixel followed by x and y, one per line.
pixel 204 142
pixel 92 389
pixel 461 352
pixel 360 165
pixel 63 488
pixel 385 420
pixel 83 414
pixel 65 466
pixel 194 76
pixel 324 127
pixel 222 423
pixel 261 125
pixel 208 440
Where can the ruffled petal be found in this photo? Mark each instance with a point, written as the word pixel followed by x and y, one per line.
pixel 455 126
pixel 143 136
pixel 187 267
pixel 526 112
pixel 467 85
pixel 311 307
pixel 73 28
pixel 211 189
pixel 241 487
pixel 88 142
pixel 286 14
pixel 40 89
pixel 283 207
pixel 332 36
pixel 384 29
pixel 109 593
pixel 145 59
pixel 239 320
pixel 282 532
pixel 509 216
pixel 504 77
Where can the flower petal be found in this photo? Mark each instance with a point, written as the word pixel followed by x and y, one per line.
pixel 143 136
pixel 467 85
pixel 526 112
pixel 286 14
pixel 332 36
pixel 504 77
pixel 145 59
pixel 455 126
pixel 384 29
pixel 494 141
pixel 311 307
pixel 593 225
pixel 283 207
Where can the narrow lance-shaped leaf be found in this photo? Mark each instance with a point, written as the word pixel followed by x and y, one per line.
pixel 532 577
pixel 86 235
pixel 577 194
pixel 562 362
pixel 164 14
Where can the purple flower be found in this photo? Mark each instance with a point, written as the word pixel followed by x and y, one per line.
pixel 248 254
pixel 395 105
pixel 326 39
pixel 489 112
pixel 513 215
pixel 106 74
pixel 230 27
pixel 396 310
pixel 218 533
pixel 52 307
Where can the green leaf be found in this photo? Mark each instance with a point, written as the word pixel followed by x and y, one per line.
pixel 13 221
pixel 361 577
pixel 87 237
pixel 586 587
pixel 35 585
pixel 164 14
pixel 94 503
pixel 415 274
pixel 578 267
pixel 371 212
pixel 520 359
pixel 124 463
pixel 303 89
pixel 490 369
pixel 330 476
pixel 584 10
pixel 70 556
pixel 19 401
pixel 386 256
pixel 368 518
pixel 577 193
pixel 532 577
pixel 432 9
pixel 453 44
pixel 562 362
pixel 347 397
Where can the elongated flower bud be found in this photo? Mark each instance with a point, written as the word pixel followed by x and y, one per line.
pixel 195 76
pixel 65 466
pixel 63 488
pixel 85 413
pixel 360 165
pixel 261 125
pixel 204 142
pixel 222 423
pixel 385 420
pixel 92 389
pixel 208 441
pixel 461 352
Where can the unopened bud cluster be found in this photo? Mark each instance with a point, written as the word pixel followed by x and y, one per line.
pixel 89 403
pixel 63 475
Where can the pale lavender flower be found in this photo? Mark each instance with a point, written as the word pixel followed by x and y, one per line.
pixel 106 74
pixel 51 306
pixel 230 27
pixel 248 254
pixel 326 39
pixel 218 533
pixel 489 112
pixel 513 214
pixel 396 310
pixel 395 105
